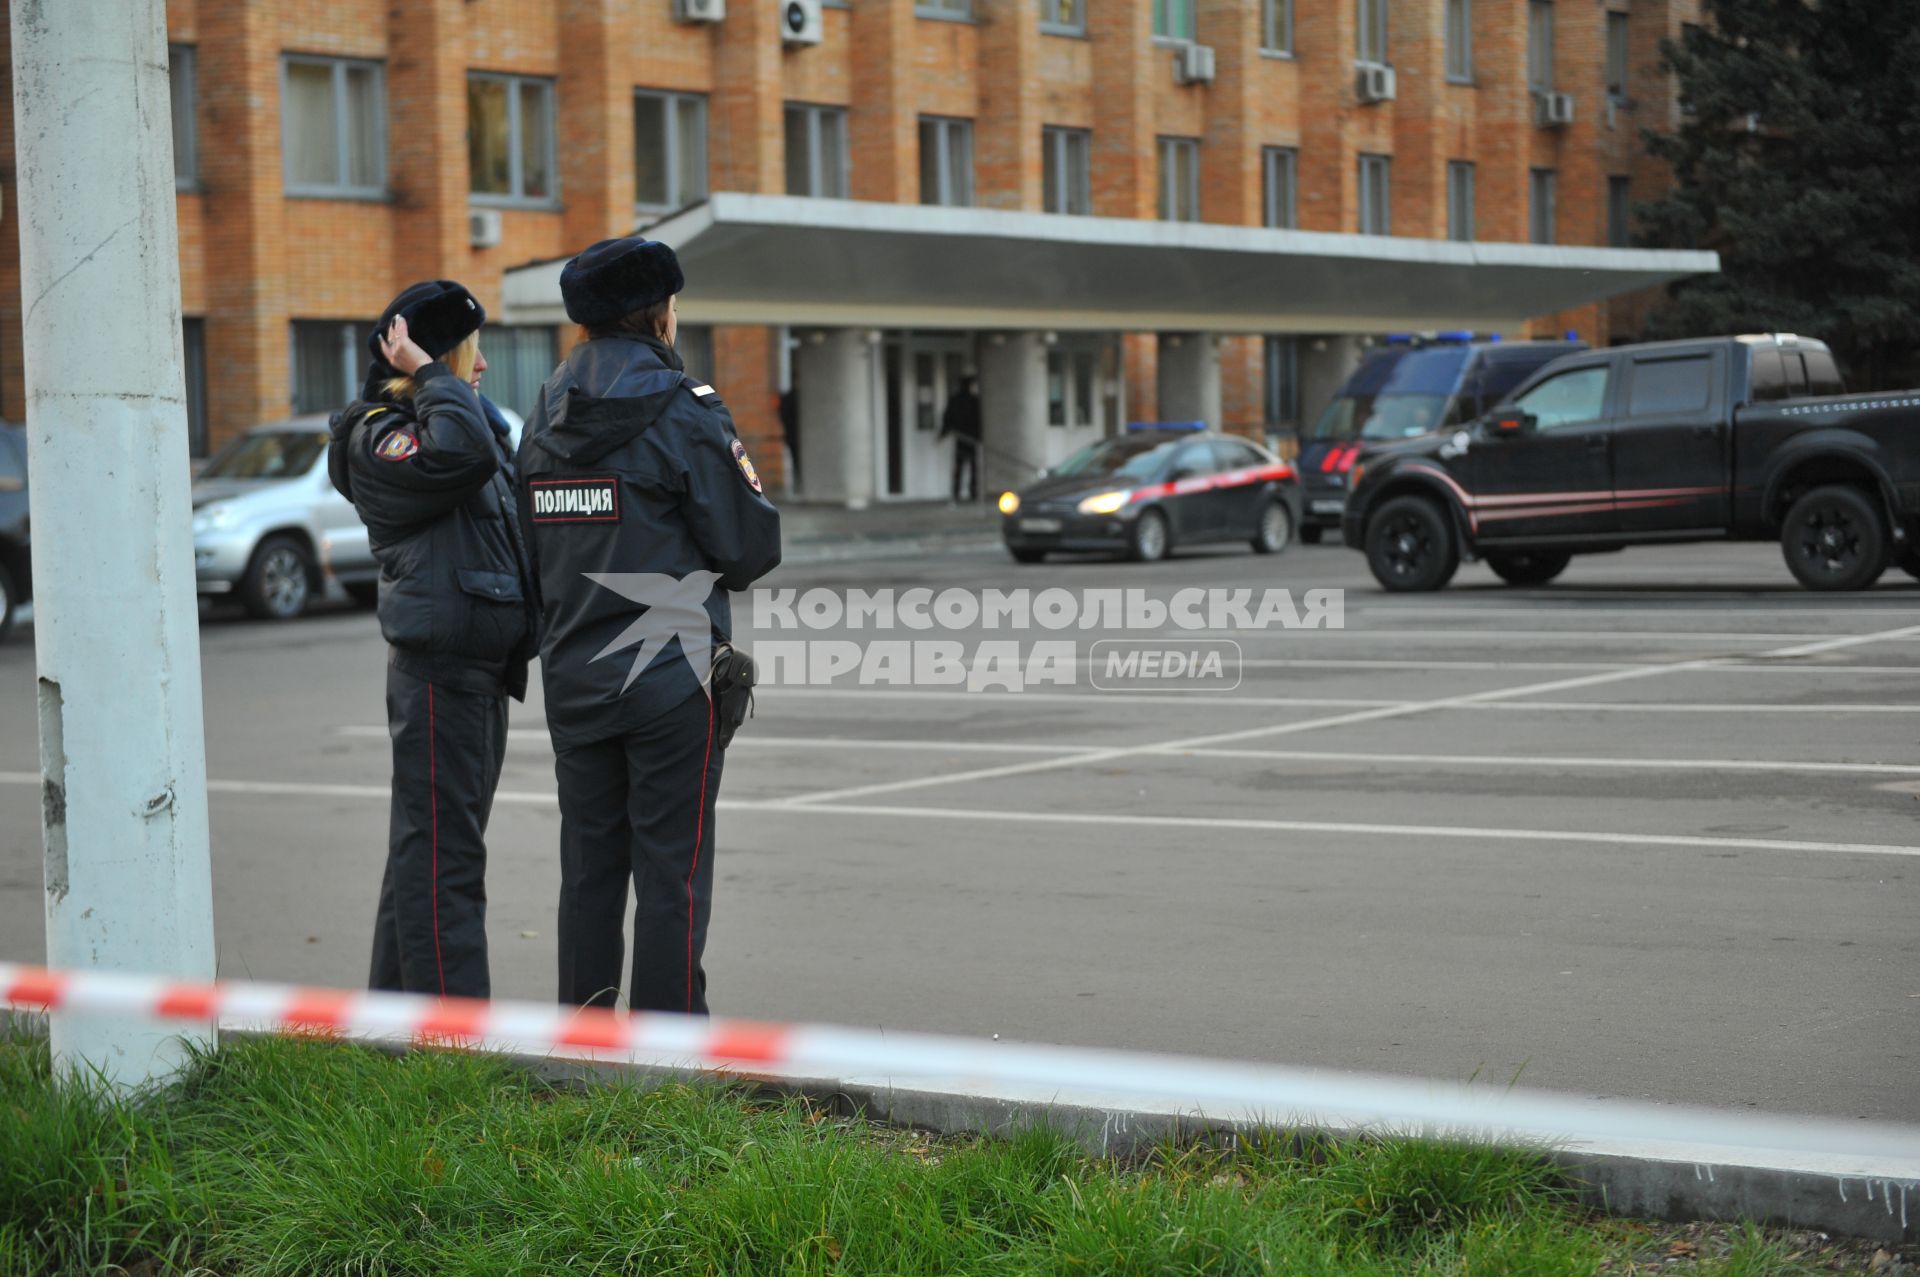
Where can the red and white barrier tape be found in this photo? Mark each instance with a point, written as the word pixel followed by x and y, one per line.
pixel 1103 1080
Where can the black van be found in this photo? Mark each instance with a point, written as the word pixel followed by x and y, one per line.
pixel 1411 387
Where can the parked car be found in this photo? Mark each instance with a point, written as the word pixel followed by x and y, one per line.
pixel 1141 493
pixel 1413 386
pixel 269 528
pixel 16 564
pixel 1722 439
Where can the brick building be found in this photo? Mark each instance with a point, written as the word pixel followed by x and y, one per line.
pixel 1151 208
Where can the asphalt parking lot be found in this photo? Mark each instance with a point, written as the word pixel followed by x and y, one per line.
pixel 1647 832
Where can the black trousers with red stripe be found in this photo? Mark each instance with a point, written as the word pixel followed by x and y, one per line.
pixel 639 808
pixel 430 931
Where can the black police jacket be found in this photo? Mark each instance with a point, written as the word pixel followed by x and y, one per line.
pixel 433 481
pixel 644 511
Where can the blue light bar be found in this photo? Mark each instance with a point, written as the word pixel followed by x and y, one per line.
pixel 1493 337
pixel 1166 425
pixel 1457 334
pixel 1399 339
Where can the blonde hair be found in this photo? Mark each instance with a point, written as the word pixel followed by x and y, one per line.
pixel 460 359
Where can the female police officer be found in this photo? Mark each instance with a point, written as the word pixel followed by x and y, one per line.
pixel 644 510
pixel 430 472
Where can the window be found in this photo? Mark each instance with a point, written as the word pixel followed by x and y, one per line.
pixel 695 344
pixel 960 10
pixel 1174 19
pixel 669 150
pixel 1542 192
pixel 1540 45
pixel 520 358
pixel 1459 200
pixel 1283 380
pixel 1617 55
pixel 1372 32
pixel 817 151
pixel 1066 177
pixel 193 348
pixel 1619 211
pixel 1276 26
pixel 186 164
pixel 510 139
pixel 328 361
pixel 1281 165
pixel 1459 37
pixel 1071 378
pixel 333 127
pixel 1570 399
pixel 1179 179
pixel 1794 374
pixel 1662 387
pixel 946 161
pixel 1376 197
pixel 1063 17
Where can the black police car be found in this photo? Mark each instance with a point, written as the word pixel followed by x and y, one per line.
pixel 1413 386
pixel 1143 492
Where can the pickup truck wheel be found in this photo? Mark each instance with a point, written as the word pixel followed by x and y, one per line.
pixel 1410 546
pixel 1834 539
pixel 279 581
pixel 1528 569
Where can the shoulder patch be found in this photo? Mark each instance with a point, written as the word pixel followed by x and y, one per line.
pixel 397 446
pixel 747 472
pixel 703 390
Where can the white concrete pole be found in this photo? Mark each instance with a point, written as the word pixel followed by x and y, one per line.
pixel 122 746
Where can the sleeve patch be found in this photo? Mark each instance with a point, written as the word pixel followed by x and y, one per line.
pixel 747 472
pixel 397 446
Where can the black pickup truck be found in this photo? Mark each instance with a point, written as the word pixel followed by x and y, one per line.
pixel 1724 439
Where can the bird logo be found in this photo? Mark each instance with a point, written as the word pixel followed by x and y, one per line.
pixel 676 607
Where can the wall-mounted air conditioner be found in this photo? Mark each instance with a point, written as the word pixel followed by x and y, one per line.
pixel 1553 110
pixel 699 10
pixel 1373 82
pixel 1193 64
pixel 483 227
pixel 800 22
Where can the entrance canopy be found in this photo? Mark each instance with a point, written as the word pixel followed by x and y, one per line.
pixel 775 259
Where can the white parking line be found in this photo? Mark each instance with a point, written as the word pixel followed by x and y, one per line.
pixel 1337 720
pixel 780 692
pixel 535 735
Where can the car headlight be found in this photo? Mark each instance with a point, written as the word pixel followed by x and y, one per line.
pixel 1009 502
pixel 212 518
pixel 1104 502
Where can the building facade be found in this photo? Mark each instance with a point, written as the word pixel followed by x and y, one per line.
pixel 1103 156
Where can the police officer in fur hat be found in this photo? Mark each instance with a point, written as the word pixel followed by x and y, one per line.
pixel 644 509
pixel 430 470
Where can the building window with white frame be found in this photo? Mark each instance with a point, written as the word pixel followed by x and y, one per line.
pixel 1179 179
pixel 956 10
pixel 1276 26
pixel 334 127
pixel 1376 195
pixel 327 362
pixel 1617 55
pixel 1280 174
pixel 1459 200
pixel 1174 19
pixel 817 151
pixel 946 161
pixel 1283 381
pixel 1063 17
pixel 1066 171
pixel 1459 41
pixel 1371 32
pixel 669 150
pixel 1620 211
pixel 510 146
pixel 1542 195
pixel 180 88
pixel 1540 45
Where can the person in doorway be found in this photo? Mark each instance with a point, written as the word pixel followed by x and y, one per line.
pixel 645 510
pixel 430 471
pixel 962 420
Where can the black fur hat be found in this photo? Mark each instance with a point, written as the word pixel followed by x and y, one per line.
pixel 439 315
pixel 617 277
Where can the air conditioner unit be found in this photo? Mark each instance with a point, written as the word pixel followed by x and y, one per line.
pixel 1193 64
pixel 483 227
pixel 1552 110
pixel 699 10
pixel 1373 82
pixel 800 22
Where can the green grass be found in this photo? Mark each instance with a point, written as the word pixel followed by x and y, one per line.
pixel 306 1157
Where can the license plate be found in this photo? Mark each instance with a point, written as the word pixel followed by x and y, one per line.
pixel 1329 507
pixel 1039 525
